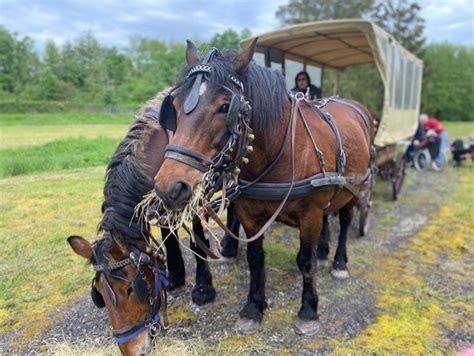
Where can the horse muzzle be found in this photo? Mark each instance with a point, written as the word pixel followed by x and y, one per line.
pixel 175 198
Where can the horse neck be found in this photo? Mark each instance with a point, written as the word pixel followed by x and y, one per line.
pixel 267 145
pixel 134 172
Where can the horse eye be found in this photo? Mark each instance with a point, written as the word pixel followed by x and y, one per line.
pixel 129 291
pixel 224 109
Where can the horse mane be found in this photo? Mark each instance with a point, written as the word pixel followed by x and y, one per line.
pixel 265 89
pixel 126 181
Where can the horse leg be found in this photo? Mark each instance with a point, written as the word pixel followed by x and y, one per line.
pixel 230 245
pixel 310 227
pixel 323 244
pixel 174 259
pixel 252 313
pixel 203 291
pixel 339 267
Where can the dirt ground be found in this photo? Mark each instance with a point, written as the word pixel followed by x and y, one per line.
pixel 409 289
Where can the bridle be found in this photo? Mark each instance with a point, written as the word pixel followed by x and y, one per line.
pixel 157 300
pixel 223 169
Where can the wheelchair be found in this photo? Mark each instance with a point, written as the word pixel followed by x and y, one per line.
pixel 427 155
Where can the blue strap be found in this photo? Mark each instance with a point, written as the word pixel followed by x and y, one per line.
pixel 163 277
pixel 124 339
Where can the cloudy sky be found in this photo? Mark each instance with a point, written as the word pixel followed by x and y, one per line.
pixel 113 22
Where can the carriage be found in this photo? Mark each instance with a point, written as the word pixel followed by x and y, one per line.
pixel 317 47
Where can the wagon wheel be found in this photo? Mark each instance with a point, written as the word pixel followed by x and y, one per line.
pixel 398 177
pixel 364 208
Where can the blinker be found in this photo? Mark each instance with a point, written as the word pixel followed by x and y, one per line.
pixel 96 296
pixel 167 118
pixel 140 288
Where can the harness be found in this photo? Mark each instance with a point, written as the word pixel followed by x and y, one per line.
pixel 319 181
pixel 160 282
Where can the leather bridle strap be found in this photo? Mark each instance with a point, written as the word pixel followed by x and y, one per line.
pixel 187 156
pixel 213 215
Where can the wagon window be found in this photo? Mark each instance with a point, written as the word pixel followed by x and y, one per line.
pixel 388 64
pixel 417 87
pixel 259 59
pixel 291 69
pixel 409 79
pixel 398 74
pixel 277 66
pixel 315 74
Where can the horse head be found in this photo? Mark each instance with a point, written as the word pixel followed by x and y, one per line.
pixel 209 116
pixel 130 282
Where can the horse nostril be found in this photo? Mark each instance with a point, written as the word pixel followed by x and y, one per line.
pixel 180 192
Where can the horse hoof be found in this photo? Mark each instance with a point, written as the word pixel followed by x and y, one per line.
pixel 228 260
pixel 321 263
pixel 340 273
pixel 203 295
pixel 246 326
pixel 306 327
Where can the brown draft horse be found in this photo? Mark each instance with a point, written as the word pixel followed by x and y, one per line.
pixel 201 108
pixel 127 269
pixel 125 266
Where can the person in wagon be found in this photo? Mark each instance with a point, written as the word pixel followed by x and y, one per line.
pixel 434 127
pixel 303 85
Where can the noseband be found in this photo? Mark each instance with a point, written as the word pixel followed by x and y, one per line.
pixel 225 165
pixel 160 282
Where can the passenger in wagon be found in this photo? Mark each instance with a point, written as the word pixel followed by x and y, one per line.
pixel 303 85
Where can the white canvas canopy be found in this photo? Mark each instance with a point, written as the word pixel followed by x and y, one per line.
pixel 339 44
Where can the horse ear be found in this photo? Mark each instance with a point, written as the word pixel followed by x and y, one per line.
pixel 242 61
pixel 80 246
pixel 192 55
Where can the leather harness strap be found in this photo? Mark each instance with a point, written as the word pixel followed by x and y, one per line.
pixel 213 215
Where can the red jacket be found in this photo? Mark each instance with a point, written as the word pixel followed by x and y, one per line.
pixel 433 124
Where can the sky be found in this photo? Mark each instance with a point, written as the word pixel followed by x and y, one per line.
pixel 113 22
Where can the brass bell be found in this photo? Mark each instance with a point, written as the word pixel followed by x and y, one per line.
pixel 249 149
pixel 245 160
pixel 251 137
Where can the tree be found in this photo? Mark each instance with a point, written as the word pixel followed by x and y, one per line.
pixel 19 63
pixel 401 19
pixel 449 88
pixel 299 11
pixel 229 40
pixel 52 57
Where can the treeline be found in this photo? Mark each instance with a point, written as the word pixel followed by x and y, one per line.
pixel 86 71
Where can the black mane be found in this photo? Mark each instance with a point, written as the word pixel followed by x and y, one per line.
pixel 125 185
pixel 264 88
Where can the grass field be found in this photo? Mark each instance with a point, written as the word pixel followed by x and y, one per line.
pixel 57 155
pixel 38 271
pixel 462 130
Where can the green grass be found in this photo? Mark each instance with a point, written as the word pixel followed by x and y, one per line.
pixel 57 155
pixel 60 119
pixel 25 136
pixel 38 270
pixel 460 130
